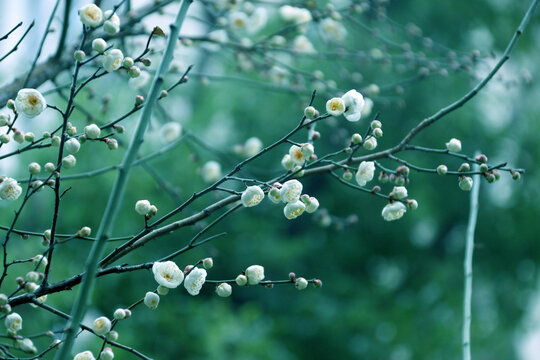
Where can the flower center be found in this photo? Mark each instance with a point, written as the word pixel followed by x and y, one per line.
pixel 33 100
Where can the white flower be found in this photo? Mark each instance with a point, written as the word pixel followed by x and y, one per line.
pixel 140 81
pixel 238 20
pixel 102 325
pixel 354 102
pixel 9 189
pixel 92 131
pixel 252 146
pixel 151 300
pixel 252 196
pixel 365 172
pixel 399 192
pixel 335 106
pixel 333 30
pixel 143 207
pixel 301 283
pixel 211 171
pixel 30 102
pixel 294 209
pixel 195 280
pixel 394 211
pixel 112 22
pixel 291 191
pixel 112 60
pixel 255 274
pixel 294 14
pixel 307 150
pixel 287 162
pixel 274 195
pixel 26 345
pixel 72 145
pixel 224 290
pixel 454 145
pixel 313 205
pixel 13 322
pixel 107 354
pixel 302 44
pixel 119 314
pixel 91 15
pixel 257 20
pixel 167 274
pixel 69 161
pixel 171 131
pixel 368 106
pixel 85 355
pixel 295 152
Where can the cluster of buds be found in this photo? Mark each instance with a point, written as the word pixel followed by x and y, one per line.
pixel 290 193
pixel 143 207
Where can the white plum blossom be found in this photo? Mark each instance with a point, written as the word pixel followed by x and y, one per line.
pixel 151 300
pixel 13 322
pixel 30 102
pixel 92 131
pixel 296 155
pixel 291 191
pixel 167 274
pixel 195 280
pixel 91 15
pixel 119 314
pixel 394 211
pixel 72 145
pixel 171 131
pixel 368 106
pixel 365 172
pixel 112 22
pixel 252 146
pixel 26 345
pixel 69 162
pixel 335 106
pixel 257 20
pixel 295 14
pixel 9 189
pixel 274 195
pixel 252 196
pixel 354 102
pixel 370 143
pixel 112 60
pixel 399 192
pixel 102 325
pixel 294 209
pixel 238 20
pixel 454 145
pixel 255 274
pixel 143 207
pixel 211 171
pixel 313 205
pixel 224 290
pixel 302 44
pixel 287 162
pixel 85 355
pixel 333 30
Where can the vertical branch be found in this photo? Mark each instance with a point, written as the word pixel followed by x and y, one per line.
pixel 467 265
pixel 115 197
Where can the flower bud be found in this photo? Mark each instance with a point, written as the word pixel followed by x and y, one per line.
pixel 255 274
pixel 301 283
pixel 29 137
pixel 72 145
pixel 128 62
pixel 376 124
pixel 69 161
pixel 163 94
pixel 496 174
pixel 465 183
pixel 399 192
pixel 112 144
pixel 454 145
pixel 4 138
pixel 375 189
pixel 151 300
pixel 30 287
pixel 99 45
pixel 378 133
pixel 292 276
pixel 356 139
pixel 313 205
pixel 484 168
pixel 142 207
pixel 128 313
pixel 10 104
pixel 310 112
pixel 47 234
pixel 146 61
pixel 490 178
pixel 13 322
pixel 442 169
pixel 55 141
pixel 481 158
pixel 112 60
pixel 34 168
pixel 162 290
pixel 274 195
pixel 464 167
pixel 112 335
pixel 92 131
pixel 224 290
pixel 3 299
pixel 383 177
pixel 79 55
pixel 370 143
pixel 119 314
pixel 107 353
pixel 317 283
pixel 4 119
pixel 208 263
pixel 134 72
pixel 287 162
pixel 347 175
pixel 241 280
pixel 515 175
pixel 85 231
pixel 49 167
pixel 32 276
pixel 6 309
pixel 412 204
pixel 40 261
pixel 139 100
pixel 315 135
pixel 18 136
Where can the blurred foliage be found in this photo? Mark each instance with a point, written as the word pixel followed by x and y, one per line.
pixel 391 290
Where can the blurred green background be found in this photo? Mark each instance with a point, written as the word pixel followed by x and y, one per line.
pixel 391 290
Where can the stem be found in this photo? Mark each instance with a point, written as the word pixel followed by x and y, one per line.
pixel 467 264
pixel 115 197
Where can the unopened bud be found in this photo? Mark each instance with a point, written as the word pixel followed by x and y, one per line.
pixel 134 72
pixel 85 231
pixel 241 280
pixel 376 124
pixel 146 61
pixel 483 168
pixel 356 138
pixel 376 189
pixel 310 112
pixel 163 94
pixel 18 136
pixel 378 133
pixel 208 263
pixel 301 283
pixel 79 55
pixel 464 167
pixel 112 144
pixel 481 158
pixel 128 62
pixel 515 175
pixel 139 100
pixel 29 136
pixel 383 177
pixel 347 175
pixel 442 169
